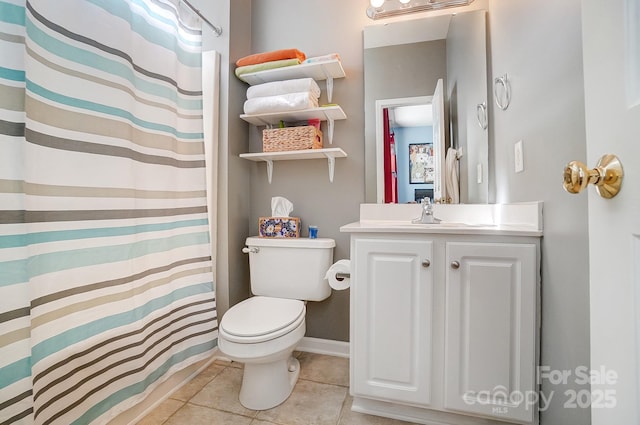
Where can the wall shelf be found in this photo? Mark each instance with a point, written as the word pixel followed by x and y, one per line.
pixel 326 113
pixel 327 153
pixel 325 70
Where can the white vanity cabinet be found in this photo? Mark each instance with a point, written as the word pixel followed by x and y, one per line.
pixel 444 326
pixel 392 320
pixel 491 299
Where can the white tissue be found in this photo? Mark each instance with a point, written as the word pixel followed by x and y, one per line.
pixel 342 266
pixel 280 207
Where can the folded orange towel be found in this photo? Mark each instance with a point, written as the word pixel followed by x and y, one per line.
pixel 271 56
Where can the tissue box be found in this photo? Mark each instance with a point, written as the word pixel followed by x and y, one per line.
pixel 279 227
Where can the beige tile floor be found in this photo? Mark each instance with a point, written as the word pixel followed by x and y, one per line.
pixel 320 397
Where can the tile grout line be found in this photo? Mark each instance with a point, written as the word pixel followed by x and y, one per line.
pixel 254 419
pixel 224 367
pixel 344 403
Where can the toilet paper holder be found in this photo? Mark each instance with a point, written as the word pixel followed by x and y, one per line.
pixel 339 275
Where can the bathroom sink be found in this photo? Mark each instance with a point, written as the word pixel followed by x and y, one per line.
pixel 439 225
pixel 451 225
pixel 495 219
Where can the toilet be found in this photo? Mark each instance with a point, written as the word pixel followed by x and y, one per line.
pixel 262 331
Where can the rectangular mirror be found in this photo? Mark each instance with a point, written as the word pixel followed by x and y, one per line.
pixel 405 60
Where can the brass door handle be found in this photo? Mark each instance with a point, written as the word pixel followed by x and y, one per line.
pixel 607 176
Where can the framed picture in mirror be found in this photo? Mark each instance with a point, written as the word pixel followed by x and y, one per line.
pixel 421 163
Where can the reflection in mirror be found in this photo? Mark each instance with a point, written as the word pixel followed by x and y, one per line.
pixel 405 60
pixel 409 148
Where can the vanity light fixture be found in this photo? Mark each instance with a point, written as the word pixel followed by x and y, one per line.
pixel 386 8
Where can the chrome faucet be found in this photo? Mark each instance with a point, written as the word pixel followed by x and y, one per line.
pixel 427 213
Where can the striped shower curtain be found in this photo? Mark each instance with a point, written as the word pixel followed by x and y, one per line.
pixel 105 264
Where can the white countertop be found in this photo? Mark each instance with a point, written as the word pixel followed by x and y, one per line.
pixel 491 219
pixel 441 228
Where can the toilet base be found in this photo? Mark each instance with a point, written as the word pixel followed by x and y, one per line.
pixel 266 385
pixel 270 370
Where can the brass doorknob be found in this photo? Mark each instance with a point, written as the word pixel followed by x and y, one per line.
pixel 607 176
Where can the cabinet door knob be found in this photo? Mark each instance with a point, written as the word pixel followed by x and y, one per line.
pixel 455 264
pixel 426 263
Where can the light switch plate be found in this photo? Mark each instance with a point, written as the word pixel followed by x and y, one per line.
pixel 518 157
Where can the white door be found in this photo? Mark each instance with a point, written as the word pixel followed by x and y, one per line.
pixel 611 41
pixel 439 152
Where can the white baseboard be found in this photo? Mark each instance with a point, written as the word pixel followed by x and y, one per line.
pixel 324 346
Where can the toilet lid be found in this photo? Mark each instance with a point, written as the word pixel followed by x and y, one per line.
pixel 262 317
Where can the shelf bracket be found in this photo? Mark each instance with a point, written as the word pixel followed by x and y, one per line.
pixel 330 122
pixel 269 169
pixel 329 88
pixel 329 78
pixel 332 166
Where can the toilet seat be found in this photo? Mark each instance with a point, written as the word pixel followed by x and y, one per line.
pixel 260 319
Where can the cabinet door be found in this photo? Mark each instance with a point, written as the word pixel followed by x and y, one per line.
pixel 490 335
pixel 391 307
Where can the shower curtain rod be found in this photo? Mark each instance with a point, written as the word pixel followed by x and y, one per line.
pixel 215 29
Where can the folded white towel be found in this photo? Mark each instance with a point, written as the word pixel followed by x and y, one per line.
pixel 280 103
pixel 322 58
pixel 451 176
pixel 284 87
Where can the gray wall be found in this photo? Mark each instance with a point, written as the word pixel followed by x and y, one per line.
pixel 317 28
pixel 232 274
pixel 538 45
pixel 466 88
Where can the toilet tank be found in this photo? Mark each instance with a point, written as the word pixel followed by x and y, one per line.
pixel 290 267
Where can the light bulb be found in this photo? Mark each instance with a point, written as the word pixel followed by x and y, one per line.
pixel 376 3
pixel 404 1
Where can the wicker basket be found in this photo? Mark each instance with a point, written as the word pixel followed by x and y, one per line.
pixel 291 138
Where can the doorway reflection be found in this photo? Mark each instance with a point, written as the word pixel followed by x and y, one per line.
pixel 410 143
pixel 409 161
